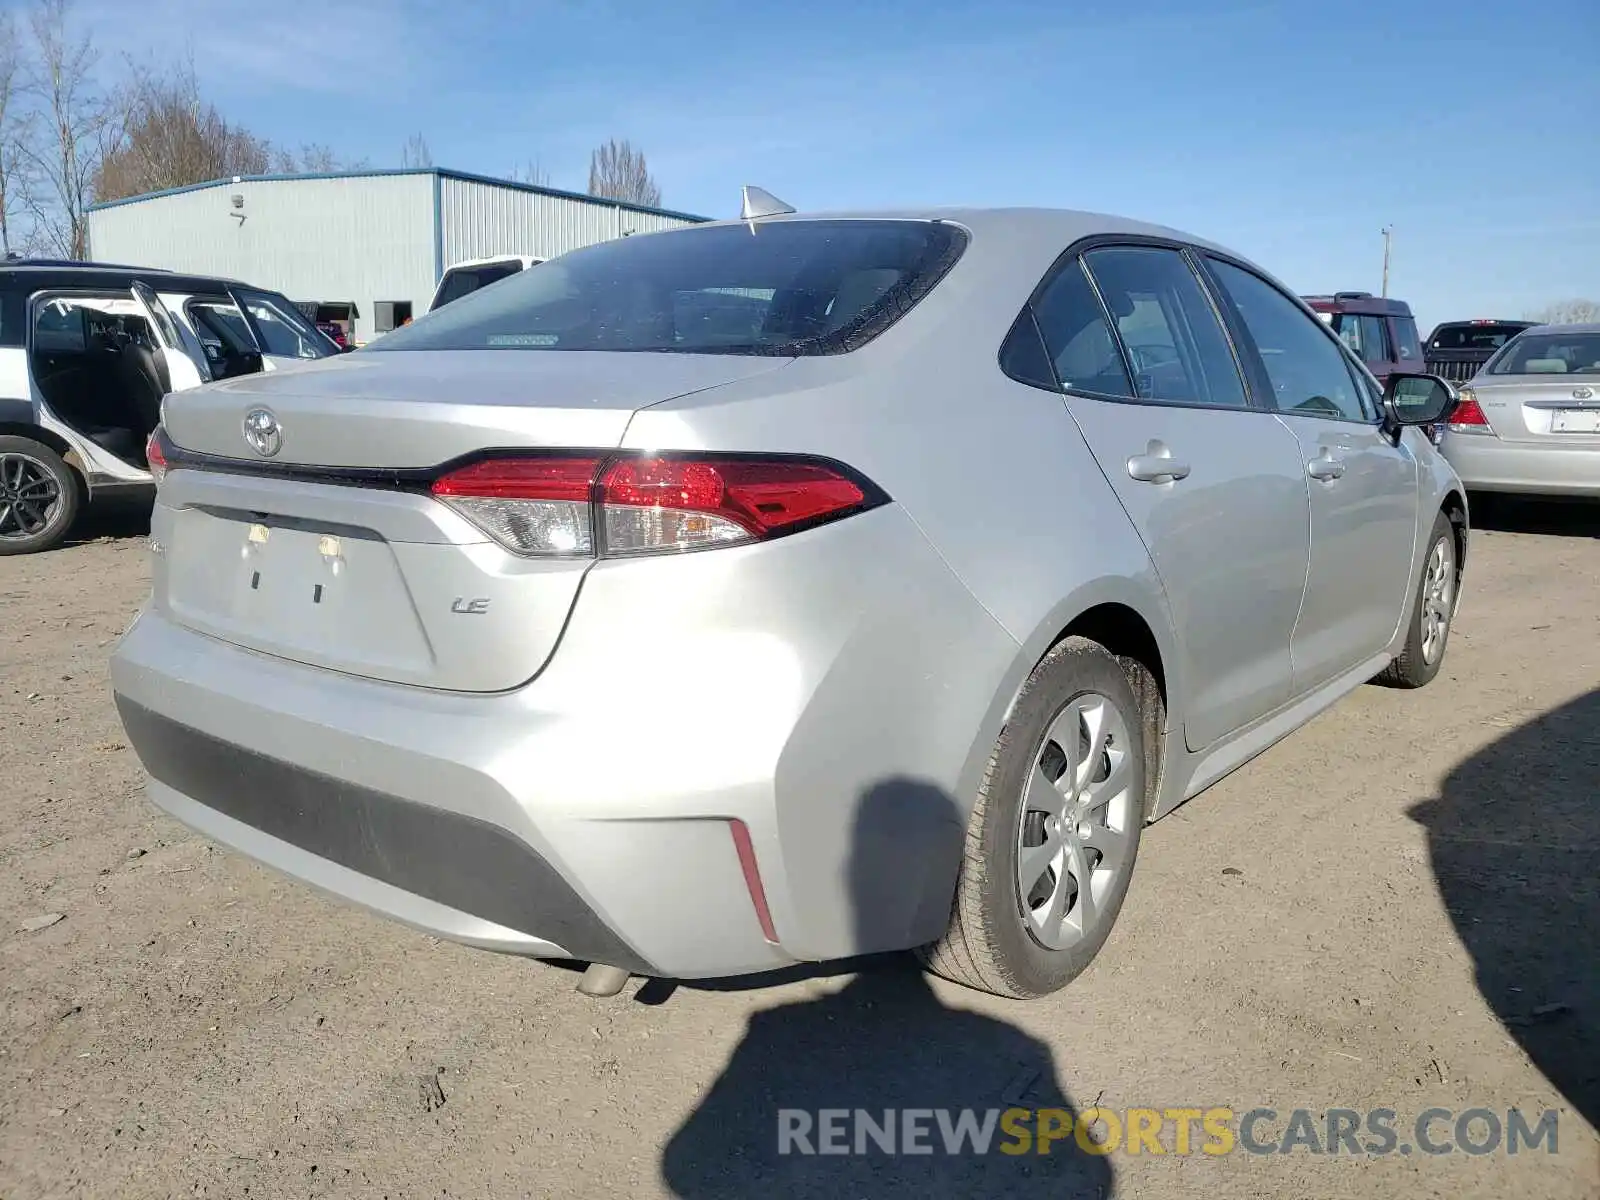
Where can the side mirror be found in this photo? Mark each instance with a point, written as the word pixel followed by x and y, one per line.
pixel 1417 400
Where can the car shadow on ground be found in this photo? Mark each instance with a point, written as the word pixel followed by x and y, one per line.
pixel 885 1041
pixel 122 517
pixel 1514 837
pixel 1535 514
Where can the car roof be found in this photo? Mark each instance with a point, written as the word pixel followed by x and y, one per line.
pixel 1586 327
pixel 1358 302
pixel 1022 224
pixel 527 260
pixel 35 275
pixel 1467 324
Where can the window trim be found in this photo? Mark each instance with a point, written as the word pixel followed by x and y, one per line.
pixel 1255 400
pixel 1264 379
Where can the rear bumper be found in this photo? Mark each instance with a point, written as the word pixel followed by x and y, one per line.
pixel 1488 464
pixel 832 691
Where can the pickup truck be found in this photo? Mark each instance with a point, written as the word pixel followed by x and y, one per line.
pixel 1456 349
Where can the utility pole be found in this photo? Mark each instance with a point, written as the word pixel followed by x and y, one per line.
pixel 1388 238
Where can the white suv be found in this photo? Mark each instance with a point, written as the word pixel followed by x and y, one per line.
pixel 88 351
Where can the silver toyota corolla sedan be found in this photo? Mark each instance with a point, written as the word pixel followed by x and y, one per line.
pixel 1529 421
pixel 783 589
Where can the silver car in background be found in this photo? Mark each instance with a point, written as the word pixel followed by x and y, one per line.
pixel 783 589
pixel 1529 420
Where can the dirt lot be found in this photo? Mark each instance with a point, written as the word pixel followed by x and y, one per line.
pixel 1396 908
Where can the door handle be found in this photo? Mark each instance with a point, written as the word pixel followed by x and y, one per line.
pixel 1156 465
pixel 1325 466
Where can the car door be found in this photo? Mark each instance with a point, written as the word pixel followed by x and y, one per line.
pixel 281 331
pixel 184 369
pixel 1363 486
pixel 1213 485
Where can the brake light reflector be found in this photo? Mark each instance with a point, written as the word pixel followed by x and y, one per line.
pixel 531 506
pixel 1469 416
pixel 748 866
pixel 155 458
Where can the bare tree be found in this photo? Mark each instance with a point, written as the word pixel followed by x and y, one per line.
pixel 80 124
pixel 533 173
pixel 173 138
pixel 1567 312
pixel 618 172
pixel 415 153
pixel 314 159
pixel 15 125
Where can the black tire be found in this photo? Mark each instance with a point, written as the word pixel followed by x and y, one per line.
pixel 1421 657
pixel 31 526
pixel 989 944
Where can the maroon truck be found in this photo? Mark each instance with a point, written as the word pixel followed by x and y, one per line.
pixel 1382 333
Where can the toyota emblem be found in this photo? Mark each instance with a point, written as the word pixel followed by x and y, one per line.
pixel 1582 393
pixel 262 431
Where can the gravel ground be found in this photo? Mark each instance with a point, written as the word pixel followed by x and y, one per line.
pixel 1395 908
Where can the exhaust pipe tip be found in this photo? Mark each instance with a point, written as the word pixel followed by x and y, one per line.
pixel 602 981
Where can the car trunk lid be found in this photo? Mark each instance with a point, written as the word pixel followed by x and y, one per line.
pixel 1538 409
pixel 316 554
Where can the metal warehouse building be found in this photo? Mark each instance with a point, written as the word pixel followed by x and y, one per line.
pixel 377 239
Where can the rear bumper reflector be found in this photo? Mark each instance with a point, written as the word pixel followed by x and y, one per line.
pixel 752 878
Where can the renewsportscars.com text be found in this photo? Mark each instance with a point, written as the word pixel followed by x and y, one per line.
pixel 1181 1131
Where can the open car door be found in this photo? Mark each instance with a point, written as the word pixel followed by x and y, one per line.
pixel 281 331
pixel 185 368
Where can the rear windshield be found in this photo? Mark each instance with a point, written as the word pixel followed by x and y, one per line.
pixel 1550 354
pixel 462 281
pixel 1473 337
pixel 782 288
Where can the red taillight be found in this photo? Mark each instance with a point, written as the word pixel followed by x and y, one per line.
pixel 1469 417
pixel 154 457
pixel 522 479
pixel 645 505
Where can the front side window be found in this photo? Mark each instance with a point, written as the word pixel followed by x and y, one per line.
pixel 1307 370
pixel 1549 354
pixel 1175 343
pixel 221 328
pixel 802 287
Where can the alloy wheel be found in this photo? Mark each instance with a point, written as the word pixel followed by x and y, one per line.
pixel 1078 809
pixel 29 495
pixel 1438 599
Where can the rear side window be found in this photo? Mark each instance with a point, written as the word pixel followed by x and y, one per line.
pixel 463 281
pixel 1406 346
pixel 1365 335
pixel 1077 338
pixel 802 287
pixel 1175 343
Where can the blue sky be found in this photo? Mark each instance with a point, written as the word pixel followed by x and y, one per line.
pixel 1291 132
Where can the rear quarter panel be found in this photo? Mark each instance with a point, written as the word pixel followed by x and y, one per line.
pixel 994 475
